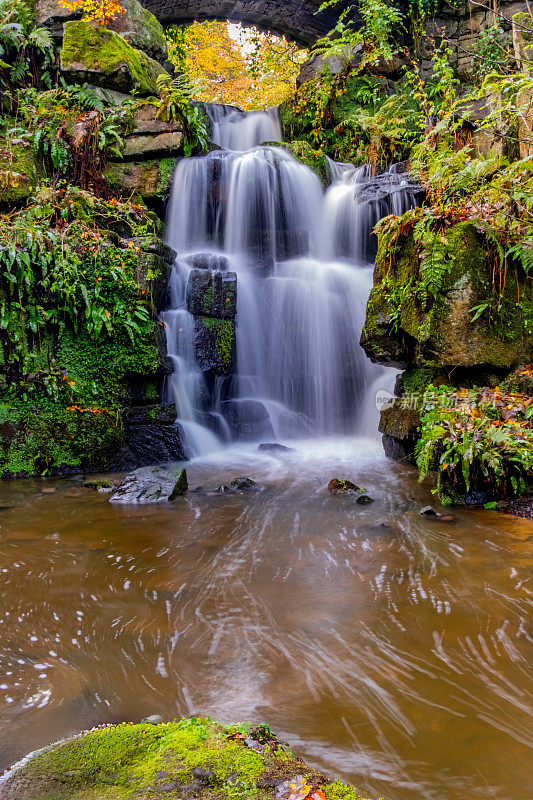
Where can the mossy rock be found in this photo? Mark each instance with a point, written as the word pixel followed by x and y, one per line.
pixel 100 56
pixel 148 179
pixel 21 172
pixel 141 30
pixel 401 329
pixel 192 758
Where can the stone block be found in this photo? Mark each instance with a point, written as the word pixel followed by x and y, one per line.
pixel 212 294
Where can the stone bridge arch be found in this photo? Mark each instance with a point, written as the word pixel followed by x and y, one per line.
pixel 295 19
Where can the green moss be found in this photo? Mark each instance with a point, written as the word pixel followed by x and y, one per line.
pixel 225 335
pixel 417 379
pixel 44 440
pixel 89 48
pixel 140 761
pixel 407 324
pixel 22 172
pixel 524 28
pixel 146 32
pixel 336 790
pixel 166 171
pixel 208 298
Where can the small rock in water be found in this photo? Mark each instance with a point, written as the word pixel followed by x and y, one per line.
pixel 50 490
pixel 341 486
pixel 153 719
pixel 99 485
pixel 145 485
pixel 430 513
pixel 427 511
pixel 269 446
pixel 244 484
pixel 446 517
pixel 364 499
pixel 181 487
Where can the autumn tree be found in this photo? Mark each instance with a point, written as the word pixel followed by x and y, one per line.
pixel 250 69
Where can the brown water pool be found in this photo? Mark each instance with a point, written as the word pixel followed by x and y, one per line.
pixel 396 655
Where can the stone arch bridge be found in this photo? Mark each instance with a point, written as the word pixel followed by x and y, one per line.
pixel 295 19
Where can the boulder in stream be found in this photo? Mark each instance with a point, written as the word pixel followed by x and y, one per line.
pixel 148 485
pixel 268 447
pixel 342 486
pixel 189 758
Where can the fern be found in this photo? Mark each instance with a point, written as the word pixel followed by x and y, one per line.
pixel 436 258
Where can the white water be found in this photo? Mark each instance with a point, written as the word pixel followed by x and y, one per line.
pixel 303 264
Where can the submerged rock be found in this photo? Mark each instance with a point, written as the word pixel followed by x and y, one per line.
pixel 266 447
pixel 191 757
pixel 146 485
pixel 244 484
pixel 342 486
pixel 429 513
pixel 364 499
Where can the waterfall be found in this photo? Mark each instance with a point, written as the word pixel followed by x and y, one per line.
pixel 251 221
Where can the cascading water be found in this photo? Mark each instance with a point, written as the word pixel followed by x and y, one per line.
pixel 302 263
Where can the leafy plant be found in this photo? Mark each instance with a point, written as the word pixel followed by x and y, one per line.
pixel 480 440
pixel 175 104
pixel 99 11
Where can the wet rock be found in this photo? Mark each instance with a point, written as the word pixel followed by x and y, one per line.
pixel 364 499
pixel 342 486
pixel 181 488
pixel 152 435
pixel 214 345
pixel 244 484
pixel 247 419
pixel 153 719
pixel 428 511
pixel 151 179
pixel 144 486
pixel 266 447
pixel 141 30
pixel 168 787
pixel 211 261
pixel 153 268
pixel 212 294
pixel 161 775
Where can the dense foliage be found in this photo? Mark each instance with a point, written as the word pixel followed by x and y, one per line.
pixel 479 441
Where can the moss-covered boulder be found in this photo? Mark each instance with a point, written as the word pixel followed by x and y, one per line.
pixel 141 29
pixel 215 345
pixel 314 159
pixel 149 179
pixel 100 56
pixel 20 172
pixel 192 758
pixel 466 324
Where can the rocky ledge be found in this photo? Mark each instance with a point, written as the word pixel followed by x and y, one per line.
pixel 190 758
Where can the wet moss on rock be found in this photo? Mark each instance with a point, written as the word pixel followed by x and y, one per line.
pixel 98 55
pixel 191 758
